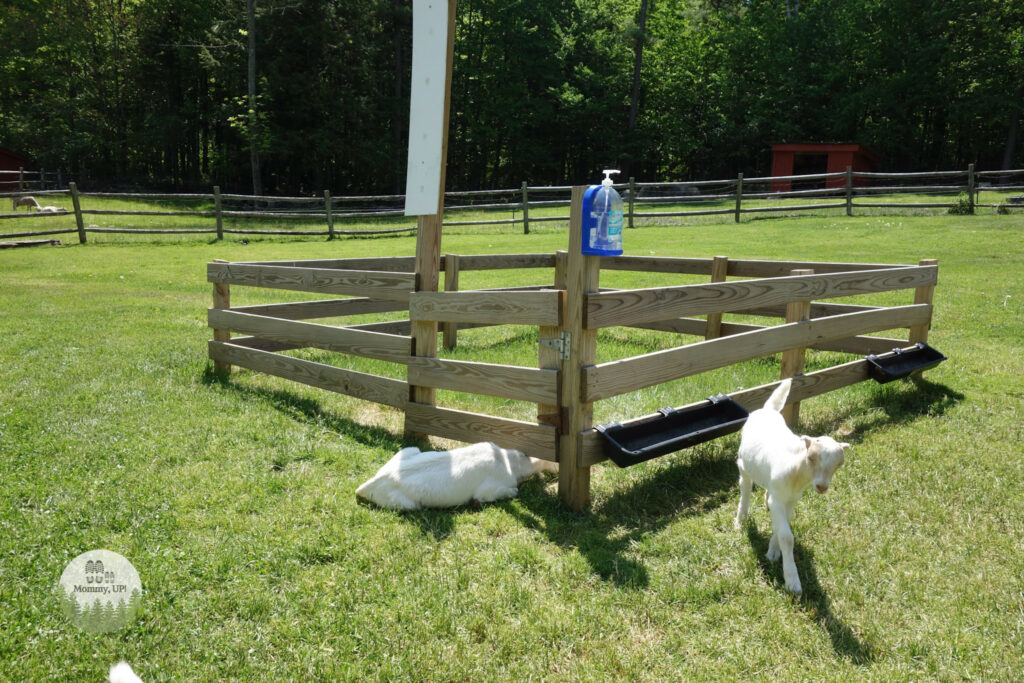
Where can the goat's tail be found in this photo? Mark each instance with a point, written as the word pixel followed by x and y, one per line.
pixel 778 398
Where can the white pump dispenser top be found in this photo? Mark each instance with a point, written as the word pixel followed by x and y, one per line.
pixel 607 182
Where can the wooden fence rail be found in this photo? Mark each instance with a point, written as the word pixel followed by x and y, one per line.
pixel 738 196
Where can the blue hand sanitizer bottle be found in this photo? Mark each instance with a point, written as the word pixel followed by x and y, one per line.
pixel 602 219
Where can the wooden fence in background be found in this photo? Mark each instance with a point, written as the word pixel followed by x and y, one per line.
pixel 737 197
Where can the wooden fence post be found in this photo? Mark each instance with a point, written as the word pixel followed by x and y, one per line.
pixel 450 330
pixel 632 198
pixel 60 179
pixel 719 268
pixel 582 277
pixel 75 202
pixel 849 190
pixel 330 214
pixel 526 209
pixel 923 295
pixel 221 299
pixel 739 195
pixel 21 179
pixel 216 209
pixel 793 359
pixel 549 355
pixel 970 186
pixel 42 179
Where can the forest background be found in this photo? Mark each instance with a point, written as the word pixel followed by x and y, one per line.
pixel 293 96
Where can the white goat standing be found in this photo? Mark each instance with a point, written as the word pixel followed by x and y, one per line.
pixel 775 458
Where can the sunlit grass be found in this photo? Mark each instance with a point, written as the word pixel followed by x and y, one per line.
pixel 234 499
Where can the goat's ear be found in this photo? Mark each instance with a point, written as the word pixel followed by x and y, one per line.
pixel 812 448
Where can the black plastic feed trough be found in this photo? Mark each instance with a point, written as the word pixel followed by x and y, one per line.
pixel 671 430
pixel 900 363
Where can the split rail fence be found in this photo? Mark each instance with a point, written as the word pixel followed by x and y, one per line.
pixel 567 309
pixel 847 191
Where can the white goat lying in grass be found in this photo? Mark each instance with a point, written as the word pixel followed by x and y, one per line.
pixel 784 464
pixel 482 472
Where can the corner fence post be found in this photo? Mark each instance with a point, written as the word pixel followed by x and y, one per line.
pixel 719 268
pixel 849 190
pixel 450 330
pixel 330 214
pixel 739 195
pixel 217 211
pixel 923 295
pixel 526 209
pixel 221 299
pixel 793 359
pixel 77 204
pixel 582 277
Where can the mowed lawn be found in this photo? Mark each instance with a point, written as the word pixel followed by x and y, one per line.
pixel 234 499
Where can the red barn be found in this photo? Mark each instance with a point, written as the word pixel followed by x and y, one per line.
pixel 814 158
pixel 9 161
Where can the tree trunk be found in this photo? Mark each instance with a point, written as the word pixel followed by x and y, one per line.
pixel 1010 150
pixel 254 153
pixel 634 98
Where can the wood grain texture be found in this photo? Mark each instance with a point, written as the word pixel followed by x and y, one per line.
pixel 804 387
pixel 505 381
pixel 859 345
pixel 360 385
pixel 618 377
pixel 326 308
pixel 792 362
pixel 535 440
pixel 548 358
pixel 378 284
pixel 341 339
pixel 496 308
pixel 923 295
pixel 506 261
pixel 628 307
pixel 657 264
pixel 719 268
pixel 390 264
pixel 582 277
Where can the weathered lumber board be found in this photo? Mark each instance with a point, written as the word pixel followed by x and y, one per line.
pixel 391 264
pixel 326 308
pixel 341 339
pixel 378 284
pixel 391 392
pixel 506 261
pixel 618 377
pixel 627 307
pixel 506 381
pixel 859 345
pixel 535 440
pixel 804 387
pixel 511 308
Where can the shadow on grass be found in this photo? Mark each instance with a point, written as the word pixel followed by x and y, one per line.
pixel 605 534
pixel 814 601
pixel 895 403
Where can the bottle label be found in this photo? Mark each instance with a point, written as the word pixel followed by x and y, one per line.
pixel 615 224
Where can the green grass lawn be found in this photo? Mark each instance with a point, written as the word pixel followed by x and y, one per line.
pixel 234 499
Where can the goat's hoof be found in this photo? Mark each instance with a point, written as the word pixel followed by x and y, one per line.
pixel 773 554
pixel 794 587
